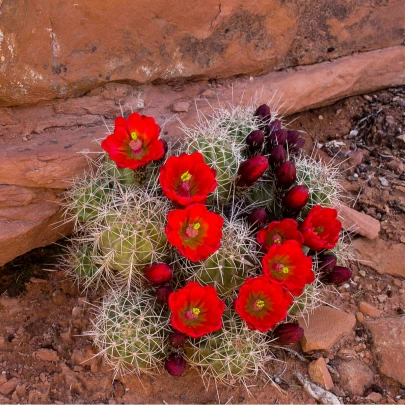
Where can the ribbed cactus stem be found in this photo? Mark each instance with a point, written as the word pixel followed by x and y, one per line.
pixel 131 332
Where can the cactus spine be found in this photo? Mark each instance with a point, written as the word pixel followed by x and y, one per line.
pixel 131 332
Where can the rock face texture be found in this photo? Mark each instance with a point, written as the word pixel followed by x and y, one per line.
pixel 325 327
pixel 162 40
pixel 383 257
pixel 389 343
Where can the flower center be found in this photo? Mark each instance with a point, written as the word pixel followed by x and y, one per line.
pixel 258 305
pixel 276 238
pixel 192 313
pixel 192 230
pixel 319 229
pixel 186 176
pixel 135 144
pixel 280 268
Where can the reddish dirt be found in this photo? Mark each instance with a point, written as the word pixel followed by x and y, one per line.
pixel 43 315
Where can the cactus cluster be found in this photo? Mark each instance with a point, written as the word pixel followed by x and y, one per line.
pixel 130 237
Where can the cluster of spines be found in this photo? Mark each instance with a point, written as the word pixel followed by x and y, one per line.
pixel 131 332
pixel 234 354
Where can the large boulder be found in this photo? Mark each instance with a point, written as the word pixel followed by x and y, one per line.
pixel 54 48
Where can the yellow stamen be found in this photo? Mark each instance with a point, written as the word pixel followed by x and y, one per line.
pixel 134 136
pixel 277 241
pixel 186 176
pixel 196 226
pixel 319 229
pixel 196 311
pixel 285 270
pixel 260 304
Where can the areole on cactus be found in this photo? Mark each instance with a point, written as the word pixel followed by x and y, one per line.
pixel 200 238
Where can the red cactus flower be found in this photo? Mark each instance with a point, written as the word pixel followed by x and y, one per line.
pixel 251 170
pixel 196 310
pixel 158 273
pixel 261 304
pixel 187 179
pixel 321 229
pixel 194 231
pixel 134 142
pixel 287 265
pixel 296 198
pixel 279 232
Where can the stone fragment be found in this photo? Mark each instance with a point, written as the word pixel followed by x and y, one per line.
pixel 384 257
pixel 319 373
pixel 46 355
pixel 388 337
pixel 355 376
pixel 369 310
pixel 9 386
pixel 358 222
pixel 356 157
pixel 374 397
pixel 181 106
pixel 324 327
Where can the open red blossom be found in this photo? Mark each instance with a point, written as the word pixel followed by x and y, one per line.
pixel 287 265
pixel 261 304
pixel 279 232
pixel 196 310
pixel 134 142
pixel 321 229
pixel 187 179
pixel 195 231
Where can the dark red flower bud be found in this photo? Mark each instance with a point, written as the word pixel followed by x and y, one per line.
pixel 162 294
pixel 337 276
pixel 326 263
pixel 278 155
pixel 257 218
pixel 298 145
pixel 159 273
pixel 292 137
pixel 251 170
pixel 175 365
pixel 272 127
pixel 280 137
pixel 177 339
pixel 286 174
pixel 288 333
pixel 263 112
pixel 296 198
pixel 255 140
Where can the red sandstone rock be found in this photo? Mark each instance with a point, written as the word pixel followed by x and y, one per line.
pixel 166 41
pixel 359 223
pixel 8 387
pixel 388 336
pixel 324 327
pixel 383 257
pixel 46 355
pixel 355 377
pixel 319 373
pixel 369 310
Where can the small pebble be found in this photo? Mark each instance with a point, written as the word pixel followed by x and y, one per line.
pixel 320 117
pixel 384 181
